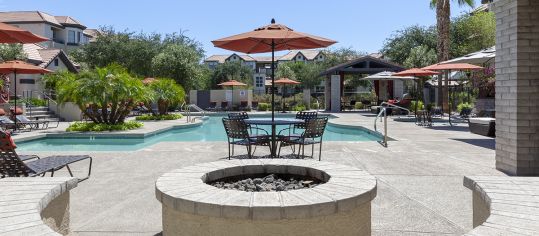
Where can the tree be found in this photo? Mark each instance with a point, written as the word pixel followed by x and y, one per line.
pixel 179 62
pixel 174 56
pixel 308 73
pixel 104 94
pixel 285 71
pixel 399 46
pixel 165 93
pixel 420 56
pixel 471 33
pixel 443 22
pixel 11 51
pixel 232 71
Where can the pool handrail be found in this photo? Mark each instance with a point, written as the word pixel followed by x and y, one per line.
pixel 383 111
pixel 197 108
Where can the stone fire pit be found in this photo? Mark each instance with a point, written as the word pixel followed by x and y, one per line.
pixel 339 205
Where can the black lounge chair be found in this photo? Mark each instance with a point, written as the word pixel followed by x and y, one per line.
pixel 35 123
pixel 314 130
pixel 238 134
pixel 13 165
pixel 7 123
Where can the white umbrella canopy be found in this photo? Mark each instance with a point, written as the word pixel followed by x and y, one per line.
pixel 484 56
pixel 387 75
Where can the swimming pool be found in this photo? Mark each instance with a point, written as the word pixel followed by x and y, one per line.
pixel 211 130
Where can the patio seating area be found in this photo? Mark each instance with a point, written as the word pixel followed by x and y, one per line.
pixel 419 179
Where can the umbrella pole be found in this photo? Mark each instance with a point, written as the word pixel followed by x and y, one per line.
pixel 273 141
pixel 272 80
pixel 15 109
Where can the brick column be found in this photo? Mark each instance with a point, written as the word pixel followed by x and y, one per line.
pixel 517 86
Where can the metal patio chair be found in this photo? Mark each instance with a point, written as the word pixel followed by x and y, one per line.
pixel 237 134
pixel 314 131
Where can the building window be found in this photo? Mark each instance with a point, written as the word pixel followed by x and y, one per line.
pixel 259 82
pixel 56 62
pixel 27 81
pixel 71 36
pixel 78 37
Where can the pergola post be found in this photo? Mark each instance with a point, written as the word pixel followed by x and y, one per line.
pixel 517 86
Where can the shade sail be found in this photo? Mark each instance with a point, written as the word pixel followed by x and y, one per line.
pixel 260 40
pixel 232 83
pixel 416 72
pixel 387 75
pixel 12 34
pixel 453 66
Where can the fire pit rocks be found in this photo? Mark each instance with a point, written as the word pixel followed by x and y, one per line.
pixel 266 197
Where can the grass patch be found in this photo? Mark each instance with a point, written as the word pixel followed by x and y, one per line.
pixel 159 117
pixel 90 126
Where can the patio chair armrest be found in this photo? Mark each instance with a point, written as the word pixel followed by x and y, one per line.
pixel 256 128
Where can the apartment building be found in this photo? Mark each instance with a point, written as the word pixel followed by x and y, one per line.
pixel 63 32
pixel 261 65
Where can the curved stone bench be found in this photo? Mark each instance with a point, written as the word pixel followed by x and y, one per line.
pixel 35 206
pixel 340 206
pixel 504 205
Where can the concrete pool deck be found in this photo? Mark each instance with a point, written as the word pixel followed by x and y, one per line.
pixel 420 175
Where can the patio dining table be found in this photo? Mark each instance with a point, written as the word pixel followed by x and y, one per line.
pixel 274 123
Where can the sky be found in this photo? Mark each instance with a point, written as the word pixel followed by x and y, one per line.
pixel 360 24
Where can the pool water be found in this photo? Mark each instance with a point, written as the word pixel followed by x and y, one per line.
pixel 211 130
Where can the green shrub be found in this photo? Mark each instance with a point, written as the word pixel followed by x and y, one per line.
pixel 419 105
pixel 300 107
pixel 358 106
pixel 263 106
pixel 159 117
pixel 37 102
pixel 94 127
pixel 314 106
pixel 465 105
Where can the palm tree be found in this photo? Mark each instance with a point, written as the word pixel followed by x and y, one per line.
pixel 165 93
pixel 443 21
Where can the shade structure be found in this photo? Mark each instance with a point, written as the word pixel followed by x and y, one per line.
pixel 232 83
pixel 271 38
pixel 387 75
pixel 12 34
pixel 453 66
pixel 284 82
pixel 416 72
pixel 478 58
pixel 22 68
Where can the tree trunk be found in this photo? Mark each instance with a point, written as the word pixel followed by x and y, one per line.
pixel 443 12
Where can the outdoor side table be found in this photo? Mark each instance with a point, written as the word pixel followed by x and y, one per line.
pixel 274 123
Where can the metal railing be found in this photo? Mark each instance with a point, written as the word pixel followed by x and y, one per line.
pixel 29 94
pixel 190 117
pixel 383 111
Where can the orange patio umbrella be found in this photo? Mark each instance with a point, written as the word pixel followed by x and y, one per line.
pixel 284 82
pixel 232 83
pixel 415 72
pixel 23 68
pixel 12 34
pixel 271 38
pixel 450 67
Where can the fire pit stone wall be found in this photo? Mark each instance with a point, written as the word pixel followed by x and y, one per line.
pixel 339 206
